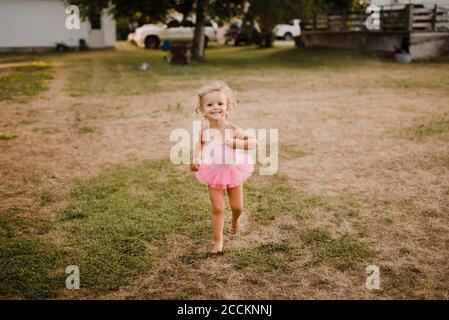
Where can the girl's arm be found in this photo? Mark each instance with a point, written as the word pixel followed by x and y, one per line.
pixel 242 140
pixel 196 153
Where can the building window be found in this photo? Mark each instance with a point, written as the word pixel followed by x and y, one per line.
pixel 95 21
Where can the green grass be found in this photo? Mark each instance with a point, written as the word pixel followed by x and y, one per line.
pixel 264 258
pixel 117 224
pixel 6 228
pixel 117 72
pixel 438 127
pixel 25 81
pixel 7 136
pixel 25 122
pixel 28 267
pixel 85 129
pixel 435 81
pixel 272 196
pixel 45 198
pixel 114 216
pixel 47 130
pixel 342 252
pixel 386 220
pixel 291 151
pixel 13 225
pixel 106 227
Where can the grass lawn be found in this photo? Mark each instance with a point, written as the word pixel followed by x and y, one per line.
pixel 118 224
pixel 86 178
pixel 117 73
pixel 26 79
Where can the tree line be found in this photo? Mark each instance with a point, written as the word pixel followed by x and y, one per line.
pixel 266 13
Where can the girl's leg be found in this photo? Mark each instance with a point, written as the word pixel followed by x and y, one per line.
pixel 236 202
pixel 217 208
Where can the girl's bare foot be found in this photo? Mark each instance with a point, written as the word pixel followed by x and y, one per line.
pixel 234 225
pixel 217 248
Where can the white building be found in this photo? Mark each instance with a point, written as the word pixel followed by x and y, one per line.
pixel 42 23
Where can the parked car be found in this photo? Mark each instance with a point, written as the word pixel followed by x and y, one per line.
pixel 151 35
pixel 242 34
pixel 248 34
pixel 131 37
pixel 288 31
pixel 231 33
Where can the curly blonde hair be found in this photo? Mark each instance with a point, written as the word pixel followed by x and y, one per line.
pixel 217 86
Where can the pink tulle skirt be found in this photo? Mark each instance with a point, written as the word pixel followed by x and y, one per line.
pixel 223 177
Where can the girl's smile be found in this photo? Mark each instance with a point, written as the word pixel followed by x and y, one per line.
pixel 215 105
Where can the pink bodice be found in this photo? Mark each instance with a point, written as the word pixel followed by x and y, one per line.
pixel 220 155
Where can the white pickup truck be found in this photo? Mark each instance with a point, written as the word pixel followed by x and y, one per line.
pixel 151 35
pixel 288 31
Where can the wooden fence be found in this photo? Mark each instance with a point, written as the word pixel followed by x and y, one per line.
pixel 410 18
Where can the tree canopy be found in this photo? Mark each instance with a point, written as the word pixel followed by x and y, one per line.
pixel 266 13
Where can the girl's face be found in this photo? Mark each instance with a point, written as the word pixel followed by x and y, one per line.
pixel 215 105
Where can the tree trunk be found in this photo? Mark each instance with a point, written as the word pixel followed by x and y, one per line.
pixel 199 34
pixel 267 39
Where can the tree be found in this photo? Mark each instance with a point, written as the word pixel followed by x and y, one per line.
pixel 199 33
pixel 337 5
pixel 220 10
pixel 147 11
pixel 142 11
pixel 268 14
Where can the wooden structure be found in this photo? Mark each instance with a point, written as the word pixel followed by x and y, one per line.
pixel 423 32
pixel 410 18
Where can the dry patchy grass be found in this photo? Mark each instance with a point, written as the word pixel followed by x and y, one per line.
pixel 79 164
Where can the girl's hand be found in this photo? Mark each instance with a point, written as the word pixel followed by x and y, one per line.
pixel 230 143
pixel 194 167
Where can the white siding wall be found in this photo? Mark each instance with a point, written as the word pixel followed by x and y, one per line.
pixel 109 29
pixel 41 23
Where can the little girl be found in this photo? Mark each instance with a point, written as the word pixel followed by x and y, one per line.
pixel 219 161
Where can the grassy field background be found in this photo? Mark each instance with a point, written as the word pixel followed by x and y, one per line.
pixel 85 176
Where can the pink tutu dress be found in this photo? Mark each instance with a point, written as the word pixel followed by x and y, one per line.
pixel 222 167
